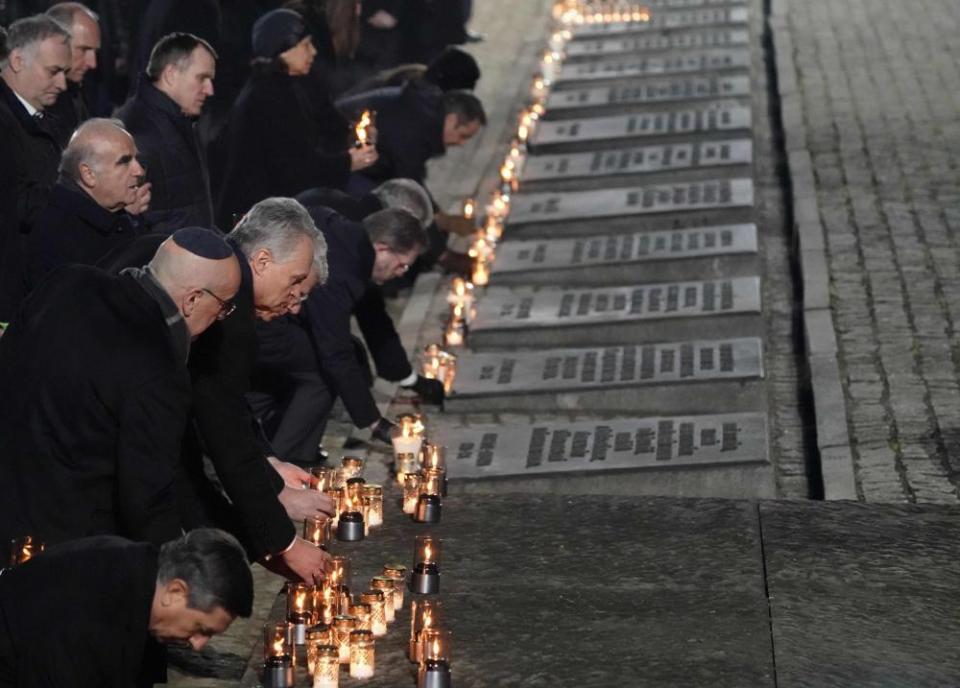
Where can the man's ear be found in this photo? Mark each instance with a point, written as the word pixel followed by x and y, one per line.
pixel 188 305
pixel 88 178
pixel 260 260
pixel 16 60
pixel 175 592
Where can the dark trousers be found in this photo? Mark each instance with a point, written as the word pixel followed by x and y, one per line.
pixel 294 418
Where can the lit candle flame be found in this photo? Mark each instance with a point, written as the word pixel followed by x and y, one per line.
pixel 300 600
pixel 469 207
pixel 278 647
pixel 436 647
pixel 427 553
pixel 361 128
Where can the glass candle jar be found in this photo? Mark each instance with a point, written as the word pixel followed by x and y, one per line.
pixel 411 492
pixel 322 478
pixel 404 465
pixel 425 579
pixel 338 573
pixel 326 667
pixel 352 467
pixel 299 611
pixel 373 499
pixel 277 641
pixel 378 613
pixel 343 625
pixel 397 572
pixel 362 654
pixel 424 614
pixel 386 586
pixel 316 530
pixel 325 603
pixel 318 637
pixel 435 457
pixel 362 612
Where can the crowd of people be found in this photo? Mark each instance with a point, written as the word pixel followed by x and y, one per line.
pixel 189 227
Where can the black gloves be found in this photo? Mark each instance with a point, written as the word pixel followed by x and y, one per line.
pixel 383 430
pixel 430 391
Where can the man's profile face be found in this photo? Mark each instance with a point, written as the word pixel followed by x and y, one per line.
pixel 277 286
pixel 173 622
pixel 85 42
pixel 116 171
pixel 389 264
pixel 39 70
pixel 191 85
pixel 457 133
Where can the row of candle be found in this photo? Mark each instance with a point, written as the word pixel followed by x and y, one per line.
pixel 439 365
pixel 600 11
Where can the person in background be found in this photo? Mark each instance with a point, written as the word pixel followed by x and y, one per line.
pixel 162 118
pixel 118 603
pixel 94 206
pixel 70 110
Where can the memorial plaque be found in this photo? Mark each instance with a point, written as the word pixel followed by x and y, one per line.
pixel 700 61
pixel 560 446
pixel 665 20
pixel 631 200
pixel 514 309
pixel 638 160
pixel 670 41
pixel 659 91
pixel 556 370
pixel 641 247
pixel 712 118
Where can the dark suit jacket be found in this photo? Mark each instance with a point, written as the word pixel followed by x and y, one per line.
pixel 90 431
pixel 30 158
pixel 350 256
pixel 283 137
pixel 68 113
pixel 73 229
pixel 221 364
pixel 176 162
pixel 409 132
pixel 77 616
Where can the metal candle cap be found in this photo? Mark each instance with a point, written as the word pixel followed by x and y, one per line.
pixel 350 527
pixel 428 509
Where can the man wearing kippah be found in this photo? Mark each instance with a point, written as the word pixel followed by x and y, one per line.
pixel 94 392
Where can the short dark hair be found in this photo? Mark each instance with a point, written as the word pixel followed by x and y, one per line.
pixel 466 106
pixel 215 569
pixel 174 49
pixel 396 228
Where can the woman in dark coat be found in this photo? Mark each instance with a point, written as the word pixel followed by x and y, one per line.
pixel 284 136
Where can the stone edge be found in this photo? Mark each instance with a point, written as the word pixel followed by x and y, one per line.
pixel 833 442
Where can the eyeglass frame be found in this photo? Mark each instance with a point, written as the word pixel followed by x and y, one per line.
pixel 226 307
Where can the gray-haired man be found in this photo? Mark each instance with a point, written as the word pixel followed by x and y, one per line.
pixel 70 110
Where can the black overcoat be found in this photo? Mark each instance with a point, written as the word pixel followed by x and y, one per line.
pixel 77 616
pixel 94 397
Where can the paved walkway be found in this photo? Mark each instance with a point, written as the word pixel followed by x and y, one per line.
pixel 877 88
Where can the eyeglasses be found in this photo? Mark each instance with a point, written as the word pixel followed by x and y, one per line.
pixel 226 307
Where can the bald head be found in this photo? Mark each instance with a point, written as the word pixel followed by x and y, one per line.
pixel 198 270
pixel 102 159
pixel 84 27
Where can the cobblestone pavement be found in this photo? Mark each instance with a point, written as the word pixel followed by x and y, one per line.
pixel 879 87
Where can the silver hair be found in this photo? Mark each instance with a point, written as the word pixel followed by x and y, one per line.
pixel 30 31
pixel 408 195
pixel 277 225
pixel 66 13
pixel 82 150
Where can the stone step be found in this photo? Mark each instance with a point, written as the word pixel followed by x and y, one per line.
pixel 633 66
pixel 640 93
pixel 683 19
pixel 605 48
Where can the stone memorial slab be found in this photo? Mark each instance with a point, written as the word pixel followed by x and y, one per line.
pixel 700 61
pixel 635 200
pixel 638 160
pixel 640 443
pixel 666 20
pixel 659 91
pixel 512 309
pixel 712 118
pixel 553 370
pixel 664 41
pixel 640 247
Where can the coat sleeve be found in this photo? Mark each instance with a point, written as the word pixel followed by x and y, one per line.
pixel 221 368
pixel 151 427
pixel 381 336
pixel 328 311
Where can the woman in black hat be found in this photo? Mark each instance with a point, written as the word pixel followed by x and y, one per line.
pixel 284 136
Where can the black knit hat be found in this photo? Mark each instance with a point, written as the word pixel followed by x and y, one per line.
pixel 276 32
pixel 203 242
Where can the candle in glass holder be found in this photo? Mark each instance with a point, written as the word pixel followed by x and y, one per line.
pixel 277 656
pixel 434 482
pixel 316 531
pixel 425 579
pixel 317 637
pixel 338 576
pixel 362 654
pixel 493 229
pixel 481 272
pixel 411 492
pixel 299 613
pixel 325 603
pixel 363 126
pixel 461 293
pixel 343 626
pixel 404 440
pixel 23 549
pixel 326 667
pixel 362 612
pixel 435 668
pixel 424 615
pixel 350 525
pixel 406 464
pixel 352 467
pixel 397 572
pixel 374 493
pixel 469 208
pixel 322 478
pixel 378 612
pixel 455 334
pixel 386 585
pixel 429 507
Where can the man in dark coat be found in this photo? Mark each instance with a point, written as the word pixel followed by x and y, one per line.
pixel 70 110
pixel 31 79
pixel 90 433
pixel 162 118
pixel 87 216
pixel 97 611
